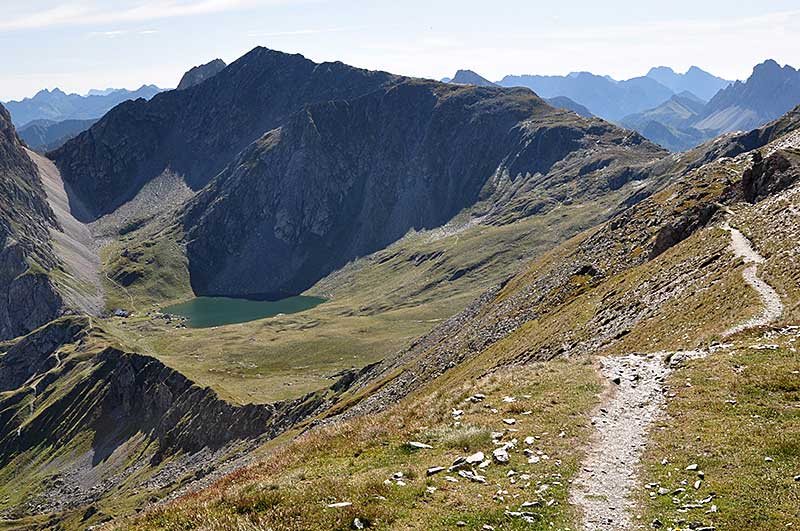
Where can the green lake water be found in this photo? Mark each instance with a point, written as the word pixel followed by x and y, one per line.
pixel 205 312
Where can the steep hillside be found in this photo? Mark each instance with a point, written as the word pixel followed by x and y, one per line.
pixel 27 296
pixel 342 180
pixel 198 74
pixel 114 421
pixel 196 132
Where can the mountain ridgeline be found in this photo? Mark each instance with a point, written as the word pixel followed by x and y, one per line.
pixel 322 163
pixel 196 132
pixel 344 179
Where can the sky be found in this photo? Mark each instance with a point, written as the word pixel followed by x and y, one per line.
pixel 77 45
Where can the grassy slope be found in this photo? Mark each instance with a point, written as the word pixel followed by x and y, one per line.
pixel 351 461
pixel 730 442
pixel 378 305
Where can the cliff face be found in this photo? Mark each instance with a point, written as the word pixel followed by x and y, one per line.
pixel 27 298
pixel 196 132
pixel 343 179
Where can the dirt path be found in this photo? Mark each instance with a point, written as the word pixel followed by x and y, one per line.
pixel 773 307
pixel 608 476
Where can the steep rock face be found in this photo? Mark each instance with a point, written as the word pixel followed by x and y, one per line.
pixel 343 179
pixel 27 297
pixel 196 132
pixel 198 74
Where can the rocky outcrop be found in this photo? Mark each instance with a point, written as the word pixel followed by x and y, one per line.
pixel 196 132
pixel 343 179
pixel 768 176
pixel 198 74
pixel 27 297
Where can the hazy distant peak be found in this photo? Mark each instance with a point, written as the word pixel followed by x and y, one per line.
pixel 198 74
pixel 468 77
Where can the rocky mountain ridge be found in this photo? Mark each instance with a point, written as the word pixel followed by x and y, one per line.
pixel 28 296
pixel 196 132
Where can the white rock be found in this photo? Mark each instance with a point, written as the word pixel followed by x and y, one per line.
pixel 529 440
pixel 510 422
pixel 693 466
pixel 338 505
pixel 500 455
pixel 419 445
pixel 476 458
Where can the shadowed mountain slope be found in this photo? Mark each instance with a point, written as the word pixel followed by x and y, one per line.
pixel 196 132
pixel 343 179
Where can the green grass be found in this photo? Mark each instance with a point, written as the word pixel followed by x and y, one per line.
pixel 730 442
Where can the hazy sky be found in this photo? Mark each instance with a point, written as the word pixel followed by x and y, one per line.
pixel 81 44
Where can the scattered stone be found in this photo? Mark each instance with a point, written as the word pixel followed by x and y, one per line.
pixel 472 476
pixel 434 470
pixel 430 490
pixel 797 477
pixel 768 460
pixel 510 422
pixel 451 479
pixel 339 505
pixel 692 467
pixel 419 445
pixel 487 527
pixel 698 484
pixel 500 455
pixel 656 524
pixel 475 458
pixel 357 524
pixel 509 399
pixel 529 440
pixel 477 398
pixel 461 523
pixel 617 380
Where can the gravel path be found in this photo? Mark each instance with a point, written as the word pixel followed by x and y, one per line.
pixel 608 476
pixel 773 307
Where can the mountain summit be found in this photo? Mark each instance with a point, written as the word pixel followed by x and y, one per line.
pixel 695 80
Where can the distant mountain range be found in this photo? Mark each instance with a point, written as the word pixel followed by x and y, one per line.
pixel 603 96
pixel 695 80
pixel 468 77
pixel 677 111
pixel 46 135
pixel 57 106
pixel 684 121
